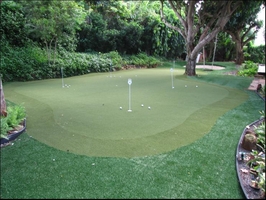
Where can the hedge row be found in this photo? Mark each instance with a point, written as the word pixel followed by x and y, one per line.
pixel 31 63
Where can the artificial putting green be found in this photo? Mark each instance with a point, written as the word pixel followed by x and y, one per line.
pixel 85 117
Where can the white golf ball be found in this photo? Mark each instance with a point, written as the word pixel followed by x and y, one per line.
pixel 173 87
pixel 196 86
pixel 185 85
pixel 149 107
pixel 142 105
pixel 120 108
pixel 53 159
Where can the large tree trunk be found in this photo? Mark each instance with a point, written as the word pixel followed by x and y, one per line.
pixel 3 101
pixel 203 24
pixel 191 67
pixel 239 53
pixel 191 58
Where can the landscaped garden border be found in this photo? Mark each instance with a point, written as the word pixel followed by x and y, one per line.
pixel 242 168
pixel 12 136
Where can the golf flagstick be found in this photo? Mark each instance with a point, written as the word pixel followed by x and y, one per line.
pixel 129 94
pixel 62 77
pixel 172 78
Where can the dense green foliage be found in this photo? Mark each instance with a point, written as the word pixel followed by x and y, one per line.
pixel 13 23
pixel 39 38
pixel 243 26
pixel 256 54
pixel 249 68
pixel 30 63
pixel 16 114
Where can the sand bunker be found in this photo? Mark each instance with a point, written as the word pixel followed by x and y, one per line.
pixel 211 67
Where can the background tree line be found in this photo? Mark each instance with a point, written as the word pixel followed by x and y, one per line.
pixel 40 37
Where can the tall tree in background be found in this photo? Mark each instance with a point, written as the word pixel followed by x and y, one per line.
pixel 13 21
pixel 53 21
pixel 200 22
pixel 241 26
pixel 129 27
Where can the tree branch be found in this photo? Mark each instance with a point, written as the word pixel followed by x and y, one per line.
pixel 170 25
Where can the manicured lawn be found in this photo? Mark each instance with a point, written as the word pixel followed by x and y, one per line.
pixel 85 117
pixel 184 147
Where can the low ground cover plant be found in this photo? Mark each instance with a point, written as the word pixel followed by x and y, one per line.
pixel 16 113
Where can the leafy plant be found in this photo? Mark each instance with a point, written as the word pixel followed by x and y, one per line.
pixel 260 130
pixel 256 53
pixel 249 68
pixel 259 155
pixel 12 117
pixel 4 128
pixel 262 181
pixel 15 115
pixel 21 112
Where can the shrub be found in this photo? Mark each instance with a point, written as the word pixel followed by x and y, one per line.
pixel 115 58
pixel 30 63
pixel 15 115
pixel 141 60
pixel 256 54
pixel 249 68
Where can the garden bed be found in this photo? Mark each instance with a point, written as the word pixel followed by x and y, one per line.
pixel 245 175
pixel 13 134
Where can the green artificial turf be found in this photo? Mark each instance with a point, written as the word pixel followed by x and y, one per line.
pixel 84 116
pixel 203 169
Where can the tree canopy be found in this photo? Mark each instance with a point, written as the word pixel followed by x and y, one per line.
pixel 200 22
pixel 243 26
pixel 173 29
